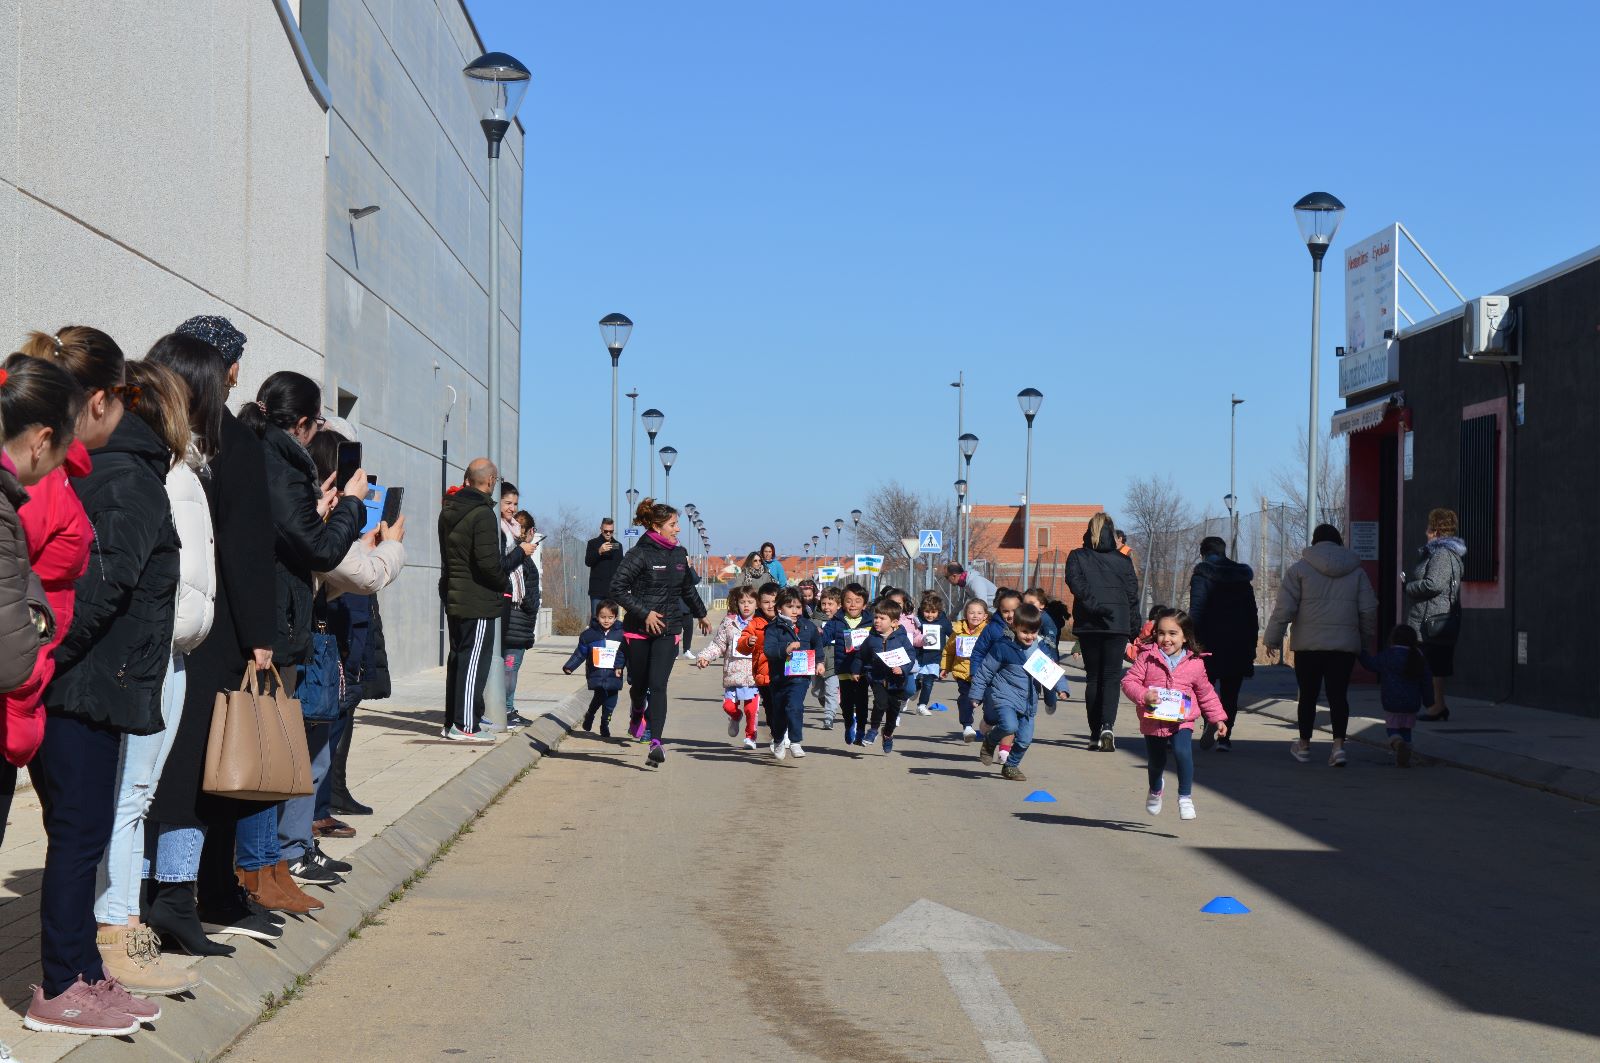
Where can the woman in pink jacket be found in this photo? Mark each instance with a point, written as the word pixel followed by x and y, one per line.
pixel 1168 684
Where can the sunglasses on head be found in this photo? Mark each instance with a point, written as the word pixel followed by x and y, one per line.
pixel 130 394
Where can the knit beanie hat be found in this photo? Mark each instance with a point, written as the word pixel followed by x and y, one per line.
pixel 217 331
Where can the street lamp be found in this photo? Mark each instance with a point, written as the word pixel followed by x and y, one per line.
pixel 633 437
pixel 1318 216
pixel 652 419
pixel 668 456
pixel 960 384
pixel 1233 520
pixel 1029 399
pixel 961 503
pixel 496 83
pixel 826 528
pixel 633 502
pixel 615 330
pixel 969 447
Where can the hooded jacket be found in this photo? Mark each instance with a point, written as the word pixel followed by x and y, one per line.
pixel 1326 601
pixel 597 678
pixel 1105 589
pixel 1222 604
pixel 472 580
pixel 738 669
pixel 653 578
pixel 973 585
pixel 197 556
pixel 1002 680
pixel 1436 590
pixel 960 668
pixel 847 659
pixel 20 638
pixel 780 632
pixel 876 646
pixel 938 630
pixel 111 664
pixel 1152 670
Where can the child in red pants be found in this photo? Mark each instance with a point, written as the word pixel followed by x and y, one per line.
pixel 738 676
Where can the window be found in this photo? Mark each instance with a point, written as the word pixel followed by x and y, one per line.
pixel 1478 501
pixel 1044 537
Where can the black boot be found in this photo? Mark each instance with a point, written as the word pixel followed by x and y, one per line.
pixel 172 914
pixel 588 721
pixel 342 801
pixel 605 724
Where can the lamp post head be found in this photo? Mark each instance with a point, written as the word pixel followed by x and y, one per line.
pixel 1228 501
pixel 1030 399
pixel 615 330
pixel 1318 216
pixel 668 456
pixel 633 395
pixel 838 525
pixel 855 515
pixel 633 497
pixel 969 445
pixel 815 540
pixel 961 489
pixel 496 82
pixel 652 419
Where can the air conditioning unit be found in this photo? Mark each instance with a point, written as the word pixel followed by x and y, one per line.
pixel 1488 333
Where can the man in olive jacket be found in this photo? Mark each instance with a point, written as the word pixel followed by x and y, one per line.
pixel 472 584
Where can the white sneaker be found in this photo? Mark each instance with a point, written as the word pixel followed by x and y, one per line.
pixel 750 743
pixel 1299 752
pixel 1185 808
pixel 780 749
pixel 797 749
pixel 1152 804
pixel 968 734
pixel 923 710
pixel 455 734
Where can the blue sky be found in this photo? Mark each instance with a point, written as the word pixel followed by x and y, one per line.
pixel 817 214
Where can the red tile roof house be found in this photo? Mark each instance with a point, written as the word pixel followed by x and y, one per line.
pixel 1057 530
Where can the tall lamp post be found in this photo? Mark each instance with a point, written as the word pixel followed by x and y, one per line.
pixel 1233 516
pixel 816 554
pixel 969 447
pixel 633 440
pixel 960 384
pixel 614 329
pixel 496 83
pixel 1029 399
pixel 855 531
pixel 961 504
pixel 668 456
pixel 652 419
pixel 1318 216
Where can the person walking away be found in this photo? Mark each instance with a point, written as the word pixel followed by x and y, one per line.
pixel 1011 690
pixel 887 656
pixel 969 585
pixel 602 555
pixel 1222 606
pixel 1328 606
pixel 739 694
pixel 1105 615
pixel 825 684
pixel 1170 687
pixel 655 586
pixel 791 644
pixel 472 583
pixel 964 634
pixel 936 628
pixel 1433 602
pixel 752 641
pixel 1405 686
pixel 847 632
pixel 600 652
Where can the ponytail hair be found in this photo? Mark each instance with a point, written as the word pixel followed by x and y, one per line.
pixel 88 355
pixel 284 399
pixel 652 514
pixel 1405 635
pixel 163 405
pixel 39 393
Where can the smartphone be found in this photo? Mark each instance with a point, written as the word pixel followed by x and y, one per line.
pixel 348 462
pixel 372 479
pixel 392 500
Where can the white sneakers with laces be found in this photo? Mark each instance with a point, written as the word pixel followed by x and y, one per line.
pixel 796 749
pixel 1152 804
pixel 1185 808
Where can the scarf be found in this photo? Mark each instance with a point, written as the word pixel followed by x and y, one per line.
pixel 519 583
pixel 661 540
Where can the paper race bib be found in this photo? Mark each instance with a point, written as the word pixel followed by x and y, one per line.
pixel 1173 706
pixel 932 638
pixel 1042 668
pixel 801 662
pixel 604 654
pixel 895 658
pixel 858 636
pixel 964 644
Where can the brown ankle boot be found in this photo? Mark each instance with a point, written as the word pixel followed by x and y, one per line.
pixel 291 889
pixel 265 891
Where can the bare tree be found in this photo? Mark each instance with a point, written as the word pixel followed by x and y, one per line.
pixel 893 513
pixel 565 583
pixel 1157 517
pixel 1289 482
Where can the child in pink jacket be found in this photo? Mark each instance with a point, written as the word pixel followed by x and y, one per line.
pixel 1168 684
pixel 738 676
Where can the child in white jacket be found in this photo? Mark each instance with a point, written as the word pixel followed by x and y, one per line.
pixel 738 675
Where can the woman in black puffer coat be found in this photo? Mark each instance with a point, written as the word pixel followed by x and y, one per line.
pixel 655 585
pixel 1105 612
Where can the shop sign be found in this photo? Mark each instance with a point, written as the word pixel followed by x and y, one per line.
pixel 1364 539
pixel 1368 369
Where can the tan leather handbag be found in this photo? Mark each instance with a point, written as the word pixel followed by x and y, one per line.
pixel 257 747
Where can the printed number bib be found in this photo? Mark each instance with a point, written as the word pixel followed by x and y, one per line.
pixel 801 662
pixel 604 654
pixel 1173 706
pixel 964 644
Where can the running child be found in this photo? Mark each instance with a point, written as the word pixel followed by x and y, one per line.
pixel 1006 602
pixel 964 634
pixel 847 632
pixel 1008 689
pixel 791 645
pixel 825 684
pixel 752 641
pixel 808 598
pixel 1049 633
pixel 1406 685
pixel 936 630
pixel 600 652
pixel 1168 683
pixel 738 672
pixel 913 630
pixel 888 655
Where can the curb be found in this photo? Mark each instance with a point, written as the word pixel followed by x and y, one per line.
pixel 237 989
pixel 1575 784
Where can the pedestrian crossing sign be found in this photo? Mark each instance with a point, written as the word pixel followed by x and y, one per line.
pixel 932 541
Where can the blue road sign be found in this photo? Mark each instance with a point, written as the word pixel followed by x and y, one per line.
pixel 932 541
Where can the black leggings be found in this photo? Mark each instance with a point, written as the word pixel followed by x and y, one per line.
pixel 650 662
pixel 853 702
pixel 1227 686
pixel 1313 669
pixel 1102 681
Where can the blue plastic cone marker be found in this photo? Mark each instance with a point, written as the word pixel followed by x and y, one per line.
pixel 1044 797
pixel 1225 906
pixel 936 707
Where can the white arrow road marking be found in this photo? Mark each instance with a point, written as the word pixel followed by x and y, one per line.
pixel 960 941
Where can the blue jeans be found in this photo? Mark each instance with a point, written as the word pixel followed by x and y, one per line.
pixel 1015 721
pixel 172 854
pixel 964 702
pixel 295 815
pixel 256 840
pixel 513 665
pixel 826 690
pixel 139 763
pixel 1182 746
pixel 324 790
pixel 787 701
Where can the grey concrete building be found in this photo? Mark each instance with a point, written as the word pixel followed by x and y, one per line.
pixel 202 156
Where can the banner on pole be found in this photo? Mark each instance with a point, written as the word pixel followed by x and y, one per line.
pixel 869 564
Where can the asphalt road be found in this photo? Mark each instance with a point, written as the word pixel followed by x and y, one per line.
pixel 707 911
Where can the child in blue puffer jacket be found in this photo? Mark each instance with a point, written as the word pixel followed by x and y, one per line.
pixel 936 629
pixel 1010 693
pixel 600 652
pixel 1406 685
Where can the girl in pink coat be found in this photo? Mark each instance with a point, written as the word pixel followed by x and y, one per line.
pixel 1168 684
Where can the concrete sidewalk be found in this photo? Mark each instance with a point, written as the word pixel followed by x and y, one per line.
pixel 422 790
pixel 1552 751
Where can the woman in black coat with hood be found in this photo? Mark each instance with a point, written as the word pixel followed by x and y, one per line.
pixel 1105 612
pixel 655 584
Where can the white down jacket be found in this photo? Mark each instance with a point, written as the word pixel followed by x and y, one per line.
pixel 197 557
pixel 1326 602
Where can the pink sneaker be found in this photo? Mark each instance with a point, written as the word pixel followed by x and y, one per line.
pixel 117 996
pixel 78 1010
